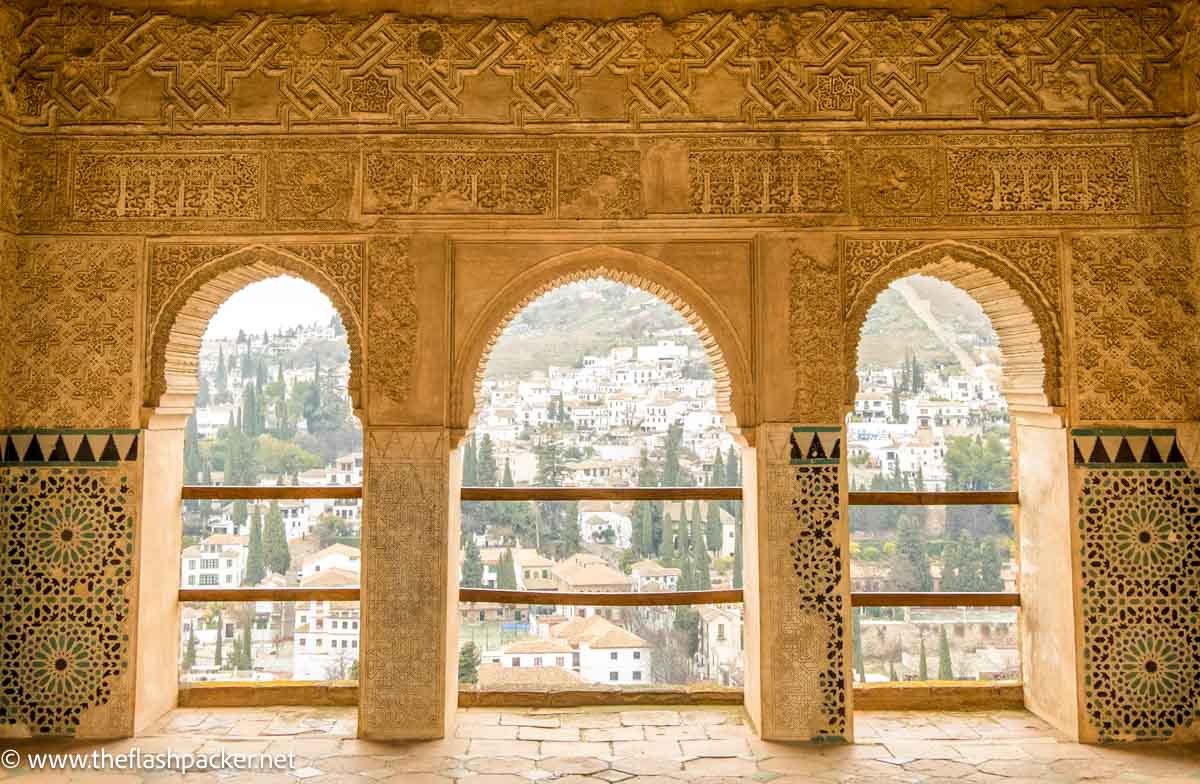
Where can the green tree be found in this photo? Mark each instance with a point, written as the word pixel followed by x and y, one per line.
pixel 945 669
pixel 666 550
pixel 256 566
pixel 991 567
pixel 701 563
pixel 251 423
pixel 733 478
pixel 717 473
pixel 470 464
pixel 856 633
pixel 217 655
pixel 910 565
pixel 570 536
pixel 687 620
pixel 222 376
pixel 672 473
pixel 472 568
pixel 191 452
pixel 922 664
pixel 892 671
pixel 977 463
pixel 275 545
pixel 712 530
pixel 897 412
pixel 507 479
pixel 737 555
pixel 247 653
pixel 487 463
pixel 506 571
pixel 469 659
pixel 189 650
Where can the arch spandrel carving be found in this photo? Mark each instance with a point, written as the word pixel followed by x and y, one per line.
pixel 726 353
pixel 188 282
pixel 1015 281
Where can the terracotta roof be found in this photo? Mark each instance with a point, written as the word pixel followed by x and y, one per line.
pixel 540 584
pixel 595 574
pixel 655 569
pixel 537 646
pixel 227 539
pixel 333 549
pixel 496 675
pixel 598 632
pixel 330 578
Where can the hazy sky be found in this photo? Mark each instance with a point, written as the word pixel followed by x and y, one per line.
pixel 270 305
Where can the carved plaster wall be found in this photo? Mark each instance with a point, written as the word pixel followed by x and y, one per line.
pixel 73 333
pixel 93 66
pixel 1135 309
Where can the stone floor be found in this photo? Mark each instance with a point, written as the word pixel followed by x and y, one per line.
pixel 646 746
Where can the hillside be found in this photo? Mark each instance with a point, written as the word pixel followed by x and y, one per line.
pixel 591 317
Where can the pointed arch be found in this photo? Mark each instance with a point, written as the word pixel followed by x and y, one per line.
pixel 726 354
pixel 206 276
pixel 1026 323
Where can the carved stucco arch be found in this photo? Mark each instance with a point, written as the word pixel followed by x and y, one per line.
pixel 1028 327
pixel 726 354
pixel 177 328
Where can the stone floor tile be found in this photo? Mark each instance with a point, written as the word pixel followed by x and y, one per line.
pixel 728 747
pixel 527 720
pixel 503 748
pixel 584 766
pixel 650 718
pixel 720 766
pixel 613 776
pixel 728 731
pixel 647 766
pixel 592 721
pixel 548 733
pixel 606 734
pixel 644 748
pixel 498 764
pixel 487 732
pixel 351 764
pixel 493 778
pixel 976 753
pixel 948 769
pixel 694 732
pixel 555 748
pixel 706 718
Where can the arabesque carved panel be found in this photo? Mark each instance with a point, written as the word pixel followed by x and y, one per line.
pixel 211 186
pixel 1136 341
pixel 405 183
pixel 815 338
pixel 1041 179
pixel 74 306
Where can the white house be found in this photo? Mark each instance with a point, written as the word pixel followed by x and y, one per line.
pixel 605 522
pixel 719 656
pixel 651 575
pixel 217 562
pixel 336 556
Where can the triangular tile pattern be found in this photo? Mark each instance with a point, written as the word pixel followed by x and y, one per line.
pixel 816 445
pixel 73 447
pixel 1113 447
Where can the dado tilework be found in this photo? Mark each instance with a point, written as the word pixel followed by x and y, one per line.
pixel 1126 448
pixel 74 306
pixel 68 447
pixel 1140 538
pixel 1135 334
pixel 807 599
pixel 84 65
pixel 66 560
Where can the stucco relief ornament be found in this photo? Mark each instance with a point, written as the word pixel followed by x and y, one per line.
pixel 897 181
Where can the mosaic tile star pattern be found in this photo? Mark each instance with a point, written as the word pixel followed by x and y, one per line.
pixel 66 562
pixel 1140 533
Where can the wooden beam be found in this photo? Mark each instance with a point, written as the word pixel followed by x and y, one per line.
pixel 655 598
pixel 874 599
pixel 269 594
pixel 649 599
pixel 601 494
pixel 954 498
pixel 198 493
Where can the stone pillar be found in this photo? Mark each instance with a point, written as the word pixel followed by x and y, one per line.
pixel 1049 561
pixel 407 689
pixel 802 584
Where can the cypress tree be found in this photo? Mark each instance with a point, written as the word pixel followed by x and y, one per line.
pixel 666 549
pixel 733 478
pixel 922 664
pixel 472 568
pixel 275 546
pixel 469 659
pixel 892 671
pixel 717 474
pixel 506 571
pixel 683 532
pixel 700 559
pixel 507 481
pixel 712 531
pixel 191 452
pixel 897 414
pixel 247 657
pixel 256 567
pixel 238 514
pixel 217 657
pixel 470 465
pixel 991 568
pixel 672 474
pixel 222 378
pixel 737 555
pixel 856 631
pixel 945 670
pixel 486 463
pixel 189 651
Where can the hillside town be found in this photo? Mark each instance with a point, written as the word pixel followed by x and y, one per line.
pixel 629 410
